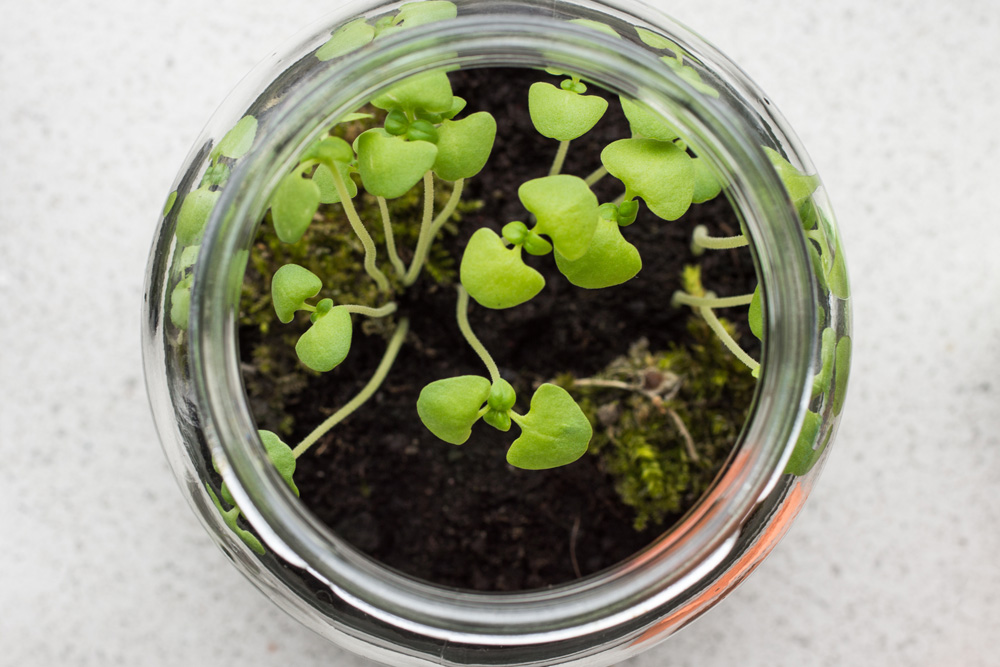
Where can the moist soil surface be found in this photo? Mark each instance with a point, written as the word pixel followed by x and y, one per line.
pixel 459 515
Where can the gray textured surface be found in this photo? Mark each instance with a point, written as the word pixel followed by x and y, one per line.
pixel 893 560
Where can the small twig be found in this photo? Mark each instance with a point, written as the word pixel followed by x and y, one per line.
pixel 688 440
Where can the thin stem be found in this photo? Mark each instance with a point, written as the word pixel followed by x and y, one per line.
pixel 373 384
pixel 701 239
pixel 685 434
pixel 424 238
pixel 390 240
pixel 462 315
pixel 622 197
pixel 557 163
pixel 359 229
pixel 368 311
pixel 727 340
pixel 683 298
pixel 596 175
pixel 424 242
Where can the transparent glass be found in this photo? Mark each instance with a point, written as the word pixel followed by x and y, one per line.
pixel 195 386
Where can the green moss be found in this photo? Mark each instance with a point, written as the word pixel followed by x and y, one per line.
pixel 634 405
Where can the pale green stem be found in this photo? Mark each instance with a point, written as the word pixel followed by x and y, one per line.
pixel 423 246
pixel 596 175
pixel 701 239
pixel 557 163
pixel 683 298
pixel 463 325
pixel 359 229
pixel 368 311
pixel 727 340
pixel 424 238
pixel 373 384
pixel 618 201
pixel 390 240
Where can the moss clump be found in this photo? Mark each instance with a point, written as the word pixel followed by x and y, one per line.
pixel 665 421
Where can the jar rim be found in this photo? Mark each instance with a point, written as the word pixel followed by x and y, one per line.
pixel 653 576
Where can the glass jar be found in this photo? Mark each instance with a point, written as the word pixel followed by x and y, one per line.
pixel 193 369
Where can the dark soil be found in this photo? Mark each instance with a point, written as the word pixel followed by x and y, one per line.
pixel 461 516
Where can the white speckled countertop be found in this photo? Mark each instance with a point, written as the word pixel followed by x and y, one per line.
pixel 893 560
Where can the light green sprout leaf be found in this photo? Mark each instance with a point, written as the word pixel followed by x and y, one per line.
pixel 658 41
pixel 563 115
pixel 647 123
pixel 389 166
pixel 193 216
pixel 229 517
pixel 610 260
pixel 428 91
pixel 464 146
pixel 496 276
pixel 449 407
pixel 841 372
pixel 798 185
pixel 169 204
pixel 345 39
pixel 822 380
pixel 755 316
pixel 706 185
pixel 330 150
pixel 566 210
pixel 323 177
pixel 596 25
pixel 180 303
pixel 555 432
pixel 281 456
pixel 499 404
pixel 805 454
pixel 690 75
pixel 293 206
pixel 658 171
pixel 326 343
pixel 290 287
pixel 237 141
pixel 837 276
pixel 427 11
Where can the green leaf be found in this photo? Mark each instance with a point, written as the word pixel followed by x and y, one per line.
pixel 798 185
pixel 329 151
pixel 805 454
pixel 290 287
pixel 555 431
pixel 657 41
pixel 566 210
pixel 658 171
pixel 193 216
pixel 841 372
pixel 496 276
pixel 837 276
pixel 647 123
pixel 427 91
pixel 755 316
pixel 706 185
pixel 169 203
pixel 293 206
pixel 281 456
pixel 464 146
pixel 345 39
pixel 229 517
pixel 426 11
pixel 596 25
pixel 236 143
pixel 389 166
pixel 822 379
pixel 323 178
pixel 690 75
pixel 180 303
pixel 563 115
pixel 326 343
pixel 449 407
pixel 610 259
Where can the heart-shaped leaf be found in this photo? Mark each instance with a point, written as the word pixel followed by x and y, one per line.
pixel 755 316
pixel 293 206
pixel 290 287
pixel 555 431
pixel 798 185
pixel 658 171
pixel 389 166
pixel 323 177
pixel 647 123
pixel 706 185
pixel 345 39
pixel 326 343
pixel 449 407
pixel 610 259
pixel 561 114
pixel 281 456
pixel 464 146
pixel 566 210
pixel 496 276
pixel 427 91
pixel 238 140
pixel 426 11
pixel 193 216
